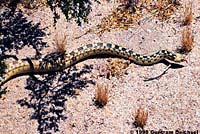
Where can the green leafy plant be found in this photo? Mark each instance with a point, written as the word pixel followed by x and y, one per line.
pixel 72 9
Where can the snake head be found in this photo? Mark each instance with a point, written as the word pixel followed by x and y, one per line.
pixel 180 58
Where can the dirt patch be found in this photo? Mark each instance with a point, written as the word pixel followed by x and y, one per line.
pixel 64 102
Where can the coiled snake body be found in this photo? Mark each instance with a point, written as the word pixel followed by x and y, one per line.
pixel 82 53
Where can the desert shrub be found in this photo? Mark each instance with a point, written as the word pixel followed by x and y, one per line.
pixel 72 9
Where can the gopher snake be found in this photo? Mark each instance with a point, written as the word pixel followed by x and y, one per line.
pixel 82 53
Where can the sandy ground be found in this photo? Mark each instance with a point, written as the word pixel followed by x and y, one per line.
pixel 50 105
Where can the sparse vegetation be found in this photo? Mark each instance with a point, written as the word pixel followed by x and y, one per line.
pixel 116 67
pixel 141 117
pixel 188 15
pixel 72 9
pixel 130 12
pixel 123 17
pixel 163 9
pixel 101 95
pixel 187 41
pixel 78 10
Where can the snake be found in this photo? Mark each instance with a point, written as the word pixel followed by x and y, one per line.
pixel 31 67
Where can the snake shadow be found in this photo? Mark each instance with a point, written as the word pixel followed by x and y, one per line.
pixel 49 95
pixel 172 65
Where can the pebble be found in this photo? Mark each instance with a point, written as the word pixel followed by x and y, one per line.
pixel 149 31
pixel 198 113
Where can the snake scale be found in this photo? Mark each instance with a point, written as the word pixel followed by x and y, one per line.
pixel 82 53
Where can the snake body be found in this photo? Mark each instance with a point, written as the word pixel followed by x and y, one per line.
pixel 82 53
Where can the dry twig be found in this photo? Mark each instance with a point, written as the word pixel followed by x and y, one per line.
pixel 160 75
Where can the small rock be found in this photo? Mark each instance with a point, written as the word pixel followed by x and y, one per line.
pixel 149 31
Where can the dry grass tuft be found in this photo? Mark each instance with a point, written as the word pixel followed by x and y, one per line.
pixel 101 95
pixel 60 40
pixel 141 118
pixel 187 41
pixel 188 16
